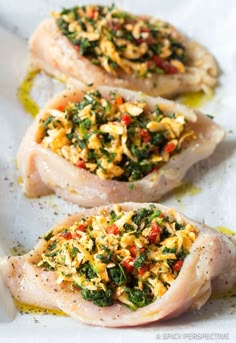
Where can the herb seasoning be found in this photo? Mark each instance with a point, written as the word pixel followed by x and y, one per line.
pixel 114 138
pixel 119 41
pixel 132 257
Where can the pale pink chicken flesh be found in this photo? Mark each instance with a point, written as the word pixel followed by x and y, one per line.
pixel 210 266
pixel 45 172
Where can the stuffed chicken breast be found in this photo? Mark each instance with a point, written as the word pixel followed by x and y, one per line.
pixel 106 145
pixel 124 265
pixel 104 45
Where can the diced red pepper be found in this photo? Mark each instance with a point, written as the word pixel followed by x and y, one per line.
pixel 92 14
pixel 67 235
pixel 81 227
pixel 178 265
pixel 80 164
pixel 145 135
pixel 169 147
pixel 154 235
pixel 61 108
pixel 145 268
pixel 112 229
pixel 128 264
pixel 133 250
pixel 119 100
pixel 170 69
pixel 126 119
pixel 159 62
pixel 165 65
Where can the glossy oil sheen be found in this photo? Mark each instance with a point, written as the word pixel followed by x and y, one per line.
pixel 195 100
pixel 32 309
pixel 24 94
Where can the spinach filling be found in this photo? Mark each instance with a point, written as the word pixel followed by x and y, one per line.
pixel 143 46
pixel 134 263
pixel 113 138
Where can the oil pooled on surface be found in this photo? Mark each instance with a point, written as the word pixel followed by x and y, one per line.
pixel 24 94
pixel 186 189
pixel 32 309
pixel 195 100
pixel 225 230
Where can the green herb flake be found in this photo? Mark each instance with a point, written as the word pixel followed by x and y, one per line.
pixel 131 186
pixel 139 262
pixel 48 236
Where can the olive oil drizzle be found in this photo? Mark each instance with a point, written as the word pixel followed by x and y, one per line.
pixel 186 189
pixel 225 230
pixel 24 94
pixel 195 99
pixel 36 310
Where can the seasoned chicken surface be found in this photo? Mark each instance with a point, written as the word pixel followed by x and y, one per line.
pixel 106 145
pixel 107 46
pixel 124 265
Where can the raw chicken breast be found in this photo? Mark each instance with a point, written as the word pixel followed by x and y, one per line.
pixel 209 266
pixel 45 172
pixel 52 52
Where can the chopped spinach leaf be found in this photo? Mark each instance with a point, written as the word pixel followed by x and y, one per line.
pixel 87 270
pixel 138 297
pixel 100 298
pixel 48 236
pixel 117 275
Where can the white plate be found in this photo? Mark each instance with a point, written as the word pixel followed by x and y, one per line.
pixel 22 220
